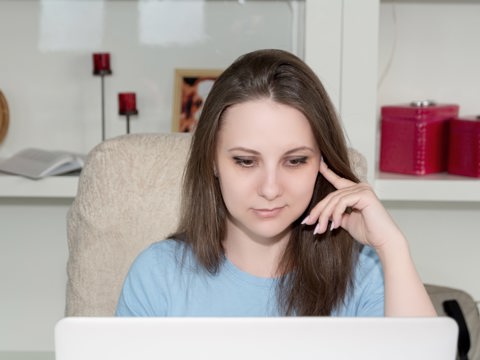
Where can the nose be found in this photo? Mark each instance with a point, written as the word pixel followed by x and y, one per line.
pixel 270 184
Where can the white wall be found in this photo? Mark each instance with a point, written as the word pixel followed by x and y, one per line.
pixel 33 253
pixel 46 60
pixel 429 50
pixel 444 240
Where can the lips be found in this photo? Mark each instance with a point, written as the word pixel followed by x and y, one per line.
pixel 268 213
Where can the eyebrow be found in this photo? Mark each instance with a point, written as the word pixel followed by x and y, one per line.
pixel 254 152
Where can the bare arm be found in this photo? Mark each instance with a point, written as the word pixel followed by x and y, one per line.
pixel 405 294
pixel 369 223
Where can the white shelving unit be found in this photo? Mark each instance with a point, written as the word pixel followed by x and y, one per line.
pixel 346 62
pixel 356 95
pixel 50 187
pixel 436 71
pixel 27 355
pixel 435 187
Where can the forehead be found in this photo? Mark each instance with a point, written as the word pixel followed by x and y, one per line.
pixel 265 123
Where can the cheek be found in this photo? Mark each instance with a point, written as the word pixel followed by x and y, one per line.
pixel 233 187
pixel 302 185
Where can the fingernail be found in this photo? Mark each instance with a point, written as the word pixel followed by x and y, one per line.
pixel 305 220
pixel 316 230
pixel 332 225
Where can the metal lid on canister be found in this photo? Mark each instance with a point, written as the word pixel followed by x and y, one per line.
pixel 423 110
pixel 423 103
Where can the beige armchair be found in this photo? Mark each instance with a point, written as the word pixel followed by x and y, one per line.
pixel 128 197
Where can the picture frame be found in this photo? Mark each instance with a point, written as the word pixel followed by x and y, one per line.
pixel 4 117
pixel 191 87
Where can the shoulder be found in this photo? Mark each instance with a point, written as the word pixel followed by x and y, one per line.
pixel 163 250
pixel 167 246
pixel 164 255
pixel 367 296
pixel 147 288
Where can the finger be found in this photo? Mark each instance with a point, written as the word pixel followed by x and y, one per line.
pixel 342 207
pixel 337 181
pixel 331 210
pixel 321 214
pixel 335 208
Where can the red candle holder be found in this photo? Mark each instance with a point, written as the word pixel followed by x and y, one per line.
pixel 101 67
pixel 101 64
pixel 127 105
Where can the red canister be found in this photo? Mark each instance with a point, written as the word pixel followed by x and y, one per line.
pixel 414 137
pixel 464 146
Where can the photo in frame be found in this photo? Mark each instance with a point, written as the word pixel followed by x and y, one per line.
pixel 191 87
pixel 4 117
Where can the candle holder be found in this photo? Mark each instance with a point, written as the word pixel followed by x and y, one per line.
pixel 101 67
pixel 127 106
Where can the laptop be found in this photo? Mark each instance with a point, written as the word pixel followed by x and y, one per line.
pixel 300 338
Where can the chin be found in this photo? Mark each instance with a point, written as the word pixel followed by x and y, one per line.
pixel 274 233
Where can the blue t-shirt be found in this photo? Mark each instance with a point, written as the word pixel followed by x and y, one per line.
pixel 161 282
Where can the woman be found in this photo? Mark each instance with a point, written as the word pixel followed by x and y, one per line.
pixel 267 227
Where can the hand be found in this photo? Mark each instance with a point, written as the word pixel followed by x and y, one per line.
pixel 355 208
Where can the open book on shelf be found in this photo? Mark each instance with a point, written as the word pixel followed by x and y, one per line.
pixel 38 163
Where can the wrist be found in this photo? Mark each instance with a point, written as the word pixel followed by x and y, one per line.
pixel 394 250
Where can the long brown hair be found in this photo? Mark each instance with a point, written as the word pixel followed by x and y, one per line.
pixel 319 269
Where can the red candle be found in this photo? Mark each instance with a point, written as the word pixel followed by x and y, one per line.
pixel 127 103
pixel 101 63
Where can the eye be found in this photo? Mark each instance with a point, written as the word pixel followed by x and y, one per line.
pixel 297 161
pixel 244 161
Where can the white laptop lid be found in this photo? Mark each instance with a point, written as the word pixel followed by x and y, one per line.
pixel 255 338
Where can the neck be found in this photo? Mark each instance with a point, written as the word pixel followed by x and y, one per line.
pixel 254 255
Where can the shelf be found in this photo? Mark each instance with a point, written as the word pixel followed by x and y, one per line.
pixel 433 187
pixel 388 187
pixel 27 355
pixel 50 187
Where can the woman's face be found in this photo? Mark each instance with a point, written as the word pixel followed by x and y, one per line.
pixel 267 162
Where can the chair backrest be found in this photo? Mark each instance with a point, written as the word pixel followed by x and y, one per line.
pixel 128 197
